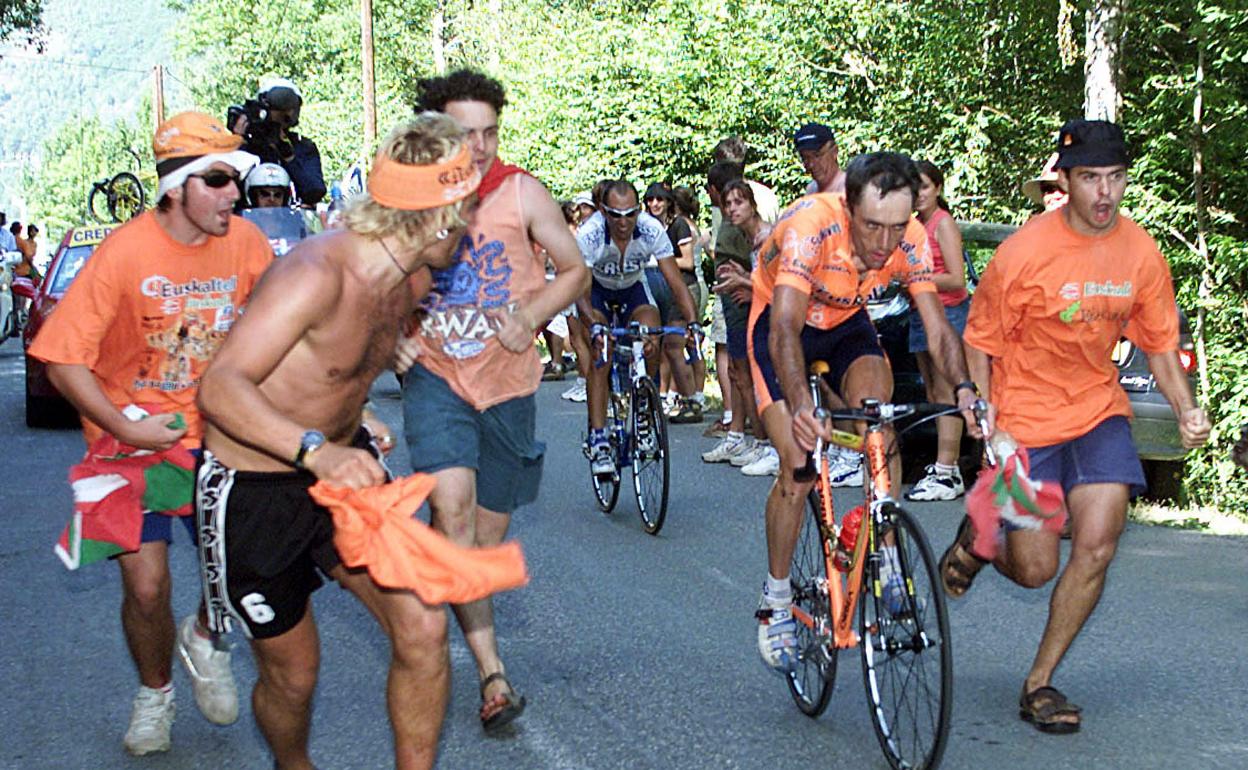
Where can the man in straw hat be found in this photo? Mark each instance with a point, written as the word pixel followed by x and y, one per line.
pixel 284 403
pixel 1048 190
pixel 135 331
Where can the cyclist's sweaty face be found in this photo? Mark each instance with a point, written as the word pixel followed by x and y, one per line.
pixel 876 224
pixel 480 123
pixel 621 212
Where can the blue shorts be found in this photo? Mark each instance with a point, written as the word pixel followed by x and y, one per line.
pixel 158 527
pixel 737 319
pixel 957 319
pixel 445 431
pixel 627 300
pixel 1104 455
pixel 839 347
pixel 662 294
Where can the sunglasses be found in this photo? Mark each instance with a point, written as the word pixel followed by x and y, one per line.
pixel 621 213
pixel 217 179
pixel 1049 187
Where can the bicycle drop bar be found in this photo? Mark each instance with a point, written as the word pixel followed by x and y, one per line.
pixel 636 330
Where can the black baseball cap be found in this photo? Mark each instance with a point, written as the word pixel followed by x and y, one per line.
pixel 1091 143
pixel 812 136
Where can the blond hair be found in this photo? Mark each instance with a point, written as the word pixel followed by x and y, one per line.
pixel 430 137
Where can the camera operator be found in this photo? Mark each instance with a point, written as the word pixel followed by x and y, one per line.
pixel 265 124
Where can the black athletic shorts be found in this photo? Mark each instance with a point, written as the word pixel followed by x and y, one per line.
pixel 262 540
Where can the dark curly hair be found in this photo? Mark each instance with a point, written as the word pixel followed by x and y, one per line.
pixel 464 85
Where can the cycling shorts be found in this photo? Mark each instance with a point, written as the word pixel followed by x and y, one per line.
pixel 627 300
pixel 839 347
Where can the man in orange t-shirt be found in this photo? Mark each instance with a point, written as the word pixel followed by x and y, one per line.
pixel 138 327
pixel 814 274
pixel 1053 301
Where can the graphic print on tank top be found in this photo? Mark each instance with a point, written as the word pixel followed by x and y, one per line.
pixel 463 301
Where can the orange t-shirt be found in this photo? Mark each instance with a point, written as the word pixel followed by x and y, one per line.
pixel 810 250
pixel 147 313
pixel 1050 307
pixel 497 269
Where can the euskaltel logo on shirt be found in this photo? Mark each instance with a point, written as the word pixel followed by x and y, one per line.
pixel 160 287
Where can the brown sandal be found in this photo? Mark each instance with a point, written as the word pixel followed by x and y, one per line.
pixel 1042 707
pixel 504 707
pixel 957 574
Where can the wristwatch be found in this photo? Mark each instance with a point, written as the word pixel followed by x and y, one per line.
pixel 312 440
pixel 967 384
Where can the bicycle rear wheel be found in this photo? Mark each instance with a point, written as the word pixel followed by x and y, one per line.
pixel 97 203
pixel 650 458
pixel 907 660
pixel 125 197
pixel 810 683
pixel 607 488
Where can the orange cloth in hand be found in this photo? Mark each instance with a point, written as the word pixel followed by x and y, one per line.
pixel 375 528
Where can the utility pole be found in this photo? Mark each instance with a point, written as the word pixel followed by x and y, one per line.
pixel 158 99
pixel 370 86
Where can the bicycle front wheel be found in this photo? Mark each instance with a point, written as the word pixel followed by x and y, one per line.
pixel 810 682
pixel 907 660
pixel 125 197
pixel 607 487
pixel 650 458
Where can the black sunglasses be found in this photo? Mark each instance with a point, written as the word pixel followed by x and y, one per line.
pixel 621 213
pixel 1049 187
pixel 217 179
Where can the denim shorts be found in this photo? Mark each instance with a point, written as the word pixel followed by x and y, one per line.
pixel 1104 455
pixel 957 319
pixel 445 431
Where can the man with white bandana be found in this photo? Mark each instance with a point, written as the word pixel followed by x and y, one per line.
pixel 137 328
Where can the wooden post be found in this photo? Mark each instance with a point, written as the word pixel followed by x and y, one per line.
pixel 370 87
pixel 158 100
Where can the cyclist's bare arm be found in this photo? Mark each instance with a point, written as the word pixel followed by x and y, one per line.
pixel 1194 425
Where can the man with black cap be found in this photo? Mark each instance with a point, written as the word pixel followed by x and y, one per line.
pixel 1052 304
pixel 273 140
pixel 816 146
pixel 127 346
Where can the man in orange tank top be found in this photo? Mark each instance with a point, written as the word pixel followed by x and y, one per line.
pixel 1053 302
pixel 468 404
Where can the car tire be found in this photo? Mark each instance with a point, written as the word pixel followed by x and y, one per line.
pixel 1165 480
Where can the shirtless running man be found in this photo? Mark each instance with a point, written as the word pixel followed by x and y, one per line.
pixel 284 405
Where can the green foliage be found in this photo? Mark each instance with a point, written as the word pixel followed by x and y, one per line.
pixel 22 17
pixel 645 90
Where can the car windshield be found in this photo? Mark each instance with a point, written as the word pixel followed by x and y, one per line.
pixel 71 262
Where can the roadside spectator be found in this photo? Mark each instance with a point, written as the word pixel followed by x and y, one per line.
pixel 943 479
pixel 7 242
pixel 1240 452
pixel 735 149
pixel 662 206
pixel 816 146
pixel 689 260
pixel 1048 190
pixel 26 268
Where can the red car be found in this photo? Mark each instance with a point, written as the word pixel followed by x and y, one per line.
pixel 45 406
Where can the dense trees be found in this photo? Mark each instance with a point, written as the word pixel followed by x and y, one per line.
pixel 645 88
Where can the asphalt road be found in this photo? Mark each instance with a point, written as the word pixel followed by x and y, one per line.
pixel 634 651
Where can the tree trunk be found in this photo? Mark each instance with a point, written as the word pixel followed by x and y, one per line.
pixel 437 35
pixel 1102 99
pixel 1205 292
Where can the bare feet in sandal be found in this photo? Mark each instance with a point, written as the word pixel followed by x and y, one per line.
pixel 503 705
pixel 1047 709
pixel 960 565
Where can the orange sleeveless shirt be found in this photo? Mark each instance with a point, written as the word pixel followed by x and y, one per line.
pixel 497 270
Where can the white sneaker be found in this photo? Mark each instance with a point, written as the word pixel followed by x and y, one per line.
pixel 753 451
pixel 728 447
pixel 845 470
pixel 575 393
pixel 937 485
pixel 777 636
pixel 150 721
pixel 212 681
pixel 767 464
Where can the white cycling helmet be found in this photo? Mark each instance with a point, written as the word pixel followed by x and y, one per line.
pixel 266 175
